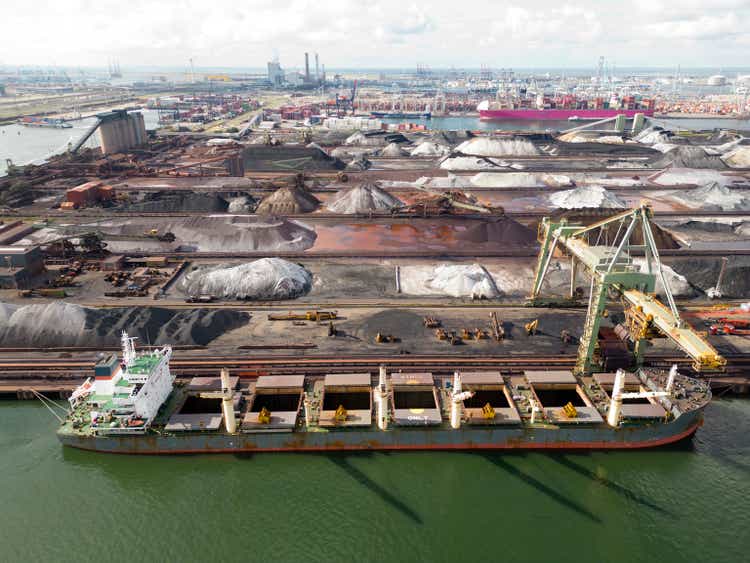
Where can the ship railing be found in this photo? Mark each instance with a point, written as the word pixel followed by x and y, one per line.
pixel 121 430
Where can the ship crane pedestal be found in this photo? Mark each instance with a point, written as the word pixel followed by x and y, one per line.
pixel 227 401
pixel 457 401
pixel 615 406
pixel 381 397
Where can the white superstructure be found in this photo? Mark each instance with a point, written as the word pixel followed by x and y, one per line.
pixel 125 395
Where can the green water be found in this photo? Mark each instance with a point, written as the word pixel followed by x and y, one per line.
pixel 688 503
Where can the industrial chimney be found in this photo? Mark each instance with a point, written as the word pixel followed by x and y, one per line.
pixel 317 69
pixel 307 67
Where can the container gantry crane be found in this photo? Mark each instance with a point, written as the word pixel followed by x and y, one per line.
pixel 613 274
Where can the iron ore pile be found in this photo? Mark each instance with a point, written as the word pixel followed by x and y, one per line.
pixel 351 241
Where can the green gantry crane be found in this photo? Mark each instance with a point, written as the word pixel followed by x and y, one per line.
pixel 614 274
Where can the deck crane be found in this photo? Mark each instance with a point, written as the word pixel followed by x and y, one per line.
pixel 613 273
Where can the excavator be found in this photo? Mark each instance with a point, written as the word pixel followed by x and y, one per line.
pixel 615 275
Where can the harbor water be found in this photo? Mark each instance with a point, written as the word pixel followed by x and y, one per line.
pixel 33 145
pixel 683 503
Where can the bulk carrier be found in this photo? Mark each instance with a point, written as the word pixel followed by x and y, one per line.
pixel 133 405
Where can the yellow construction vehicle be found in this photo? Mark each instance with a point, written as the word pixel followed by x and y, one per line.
pixel 488 412
pixel 531 327
pixel 381 338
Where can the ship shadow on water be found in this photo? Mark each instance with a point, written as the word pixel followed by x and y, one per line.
pixel 342 462
pixel 499 460
pixel 611 485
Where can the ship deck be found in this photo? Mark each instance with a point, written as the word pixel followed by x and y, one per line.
pixel 512 400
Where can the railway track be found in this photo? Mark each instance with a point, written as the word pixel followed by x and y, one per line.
pixel 326 364
pixel 337 217
pixel 530 252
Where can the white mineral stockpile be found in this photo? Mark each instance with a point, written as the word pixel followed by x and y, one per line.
pixel 557 180
pixel 714 196
pixel 586 197
pixel 617 182
pixel 220 142
pixel 363 199
pixel 585 137
pixel 472 163
pixel 351 153
pixel 677 282
pixel 451 181
pixel 689 177
pixel 520 180
pixel 360 139
pixel 487 146
pixel 663 147
pixel 393 150
pixel 264 279
pixel 428 148
pixel 240 205
pixel 446 279
pixel 738 157
pixel 652 135
pixel 507 180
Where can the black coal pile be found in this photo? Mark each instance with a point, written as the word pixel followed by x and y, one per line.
pixel 59 324
pixel 165 202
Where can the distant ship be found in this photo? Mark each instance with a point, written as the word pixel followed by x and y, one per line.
pixel 44 122
pixel 402 114
pixel 564 108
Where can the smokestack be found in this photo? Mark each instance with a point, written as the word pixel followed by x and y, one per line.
pixel 307 67
pixel 317 68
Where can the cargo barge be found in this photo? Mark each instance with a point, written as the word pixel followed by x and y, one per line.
pixel 133 405
pixel 44 122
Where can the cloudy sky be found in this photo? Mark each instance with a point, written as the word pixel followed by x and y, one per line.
pixel 378 33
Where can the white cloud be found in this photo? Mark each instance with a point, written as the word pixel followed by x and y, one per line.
pixel 387 33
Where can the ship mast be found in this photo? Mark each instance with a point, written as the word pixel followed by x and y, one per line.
pixel 128 348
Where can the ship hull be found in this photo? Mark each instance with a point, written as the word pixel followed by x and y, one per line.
pixel 558 114
pixel 538 437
